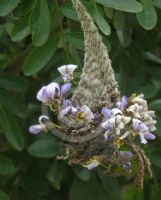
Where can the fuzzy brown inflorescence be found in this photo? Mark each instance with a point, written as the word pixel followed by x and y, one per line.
pixel 96 126
pixel 97 81
pixel 98 88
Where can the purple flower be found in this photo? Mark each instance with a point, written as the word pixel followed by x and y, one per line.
pixel 143 131
pixel 107 113
pixel 149 136
pixel 65 89
pixel 139 125
pixel 37 128
pixel 68 108
pixel 122 103
pixel 49 92
pixel 127 155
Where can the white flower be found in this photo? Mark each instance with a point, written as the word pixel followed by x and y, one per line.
pixel 139 101
pixel 136 110
pixel 118 122
pixel 93 164
pixel 116 111
pixel 108 124
pixel 149 122
pixel 87 112
pixel 141 128
pixel 122 119
pixel 67 72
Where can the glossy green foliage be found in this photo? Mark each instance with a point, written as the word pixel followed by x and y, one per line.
pixel 36 37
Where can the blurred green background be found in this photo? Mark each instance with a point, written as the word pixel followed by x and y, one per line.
pixel 36 37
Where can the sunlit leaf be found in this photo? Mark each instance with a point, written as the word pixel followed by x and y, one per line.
pixel 147 18
pixel 156 3
pixel 100 21
pixel 124 5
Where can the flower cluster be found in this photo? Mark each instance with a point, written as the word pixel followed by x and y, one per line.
pixel 53 91
pixel 130 118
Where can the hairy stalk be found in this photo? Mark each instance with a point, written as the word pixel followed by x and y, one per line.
pixel 143 162
pixel 97 81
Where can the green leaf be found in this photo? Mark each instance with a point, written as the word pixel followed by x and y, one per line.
pixel 3 196
pixel 13 83
pixel 76 39
pixel 68 11
pixel 157 3
pixel 12 104
pixel 20 30
pixel 124 5
pixel 46 147
pixel 6 165
pixel 123 32
pixel 155 157
pixel 130 192
pixel 155 105
pixel 152 57
pixel 39 22
pixel 83 173
pixel 154 72
pixel 40 56
pixel 100 21
pixel 54 175
pixel 119 20
pixel 111 186
pixel 88 190
pixel 6 6
pixel 148 90
pixel 108 12
pixel 12 130
pixel 148 17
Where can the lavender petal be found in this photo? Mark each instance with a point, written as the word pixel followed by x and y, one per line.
pixel 149 136
pixel 35 129
pixel 106 112
pixel 65 88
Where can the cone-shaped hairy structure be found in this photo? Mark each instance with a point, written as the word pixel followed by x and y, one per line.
pixel 97 81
